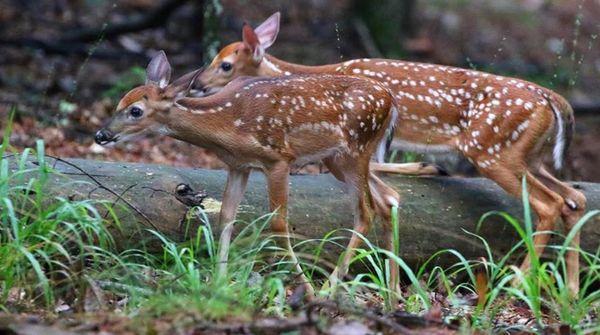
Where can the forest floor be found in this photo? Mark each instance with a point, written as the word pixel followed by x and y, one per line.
pixel 327 317
pixel 64 98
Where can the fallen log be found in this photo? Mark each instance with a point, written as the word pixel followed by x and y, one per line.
pixel 435 214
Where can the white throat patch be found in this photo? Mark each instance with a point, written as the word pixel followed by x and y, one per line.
pixel 271 65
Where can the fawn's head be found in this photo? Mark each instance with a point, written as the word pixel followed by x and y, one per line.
pixel 240 58
pixel 144 109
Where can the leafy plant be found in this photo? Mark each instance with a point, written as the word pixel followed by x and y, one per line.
pixel 48 245
pixel 55 249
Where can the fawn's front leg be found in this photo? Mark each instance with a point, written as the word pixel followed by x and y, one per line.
pixel 278 184
pixel 234 192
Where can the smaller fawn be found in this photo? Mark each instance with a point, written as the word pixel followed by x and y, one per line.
pixel 271 124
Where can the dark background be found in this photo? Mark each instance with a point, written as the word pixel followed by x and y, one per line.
pixel 64 64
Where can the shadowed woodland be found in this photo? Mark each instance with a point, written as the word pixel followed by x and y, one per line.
pixel 75 59
pixel 128 248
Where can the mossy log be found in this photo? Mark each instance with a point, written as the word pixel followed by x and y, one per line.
pixel 436 212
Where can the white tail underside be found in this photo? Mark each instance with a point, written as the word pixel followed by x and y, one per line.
pixel 559 143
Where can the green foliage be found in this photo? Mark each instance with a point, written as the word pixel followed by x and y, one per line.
pixel 130 79
pixel 52 248
pixel 543 288
pixel 210 31
pixel 188 276
pixel 48 246
pixel 387 23
pixel 66 107
pixel 405 157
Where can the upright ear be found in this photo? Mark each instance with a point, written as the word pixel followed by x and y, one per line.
pixel 182 86
pixel 251 41
pixel 159 70
pixel 268 30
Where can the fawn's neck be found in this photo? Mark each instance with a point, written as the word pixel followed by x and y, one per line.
pixel 202 121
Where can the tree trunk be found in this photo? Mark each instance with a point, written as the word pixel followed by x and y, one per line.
pixel 435 214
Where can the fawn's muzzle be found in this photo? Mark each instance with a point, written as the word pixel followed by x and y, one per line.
pixel 104 136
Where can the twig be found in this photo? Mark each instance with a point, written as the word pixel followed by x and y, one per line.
pixel 101 186
pixel 417 320
pixel 271 325
pixel 155 190
pixel 360 312
pixel 92 191
pixel 81 174
pixel 277 325
pixel 120 197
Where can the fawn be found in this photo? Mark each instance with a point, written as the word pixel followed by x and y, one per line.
pixel 504 126
pixel 271 124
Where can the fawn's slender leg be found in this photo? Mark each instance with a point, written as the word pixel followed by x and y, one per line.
pixel 544 202
pixel 356 175
pixel 384 198
pixel 277 182
pixel 547 205
pixel 572 210
pixel 233 195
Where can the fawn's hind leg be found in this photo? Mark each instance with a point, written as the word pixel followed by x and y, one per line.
pixel 355 174
pixel 544 202
pixel 572 210
pixel 383 199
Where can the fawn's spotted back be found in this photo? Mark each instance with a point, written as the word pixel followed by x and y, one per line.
pixel 286 113
pixel 477 113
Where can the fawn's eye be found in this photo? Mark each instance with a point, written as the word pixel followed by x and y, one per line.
pixel 226 66
pixel 136 112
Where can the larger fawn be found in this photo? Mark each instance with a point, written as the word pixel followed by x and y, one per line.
pixel 502 125
pixel 271 124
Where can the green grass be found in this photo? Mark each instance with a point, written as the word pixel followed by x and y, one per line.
pixel 46 246
pixel 54 250
pixel 51 247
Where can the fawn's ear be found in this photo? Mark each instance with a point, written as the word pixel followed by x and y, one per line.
pixel 159 70
pixel 182 86
pixel 268 30
pixel 251 42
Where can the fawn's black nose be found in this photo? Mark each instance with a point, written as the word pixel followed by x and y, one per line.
pixel 103 136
